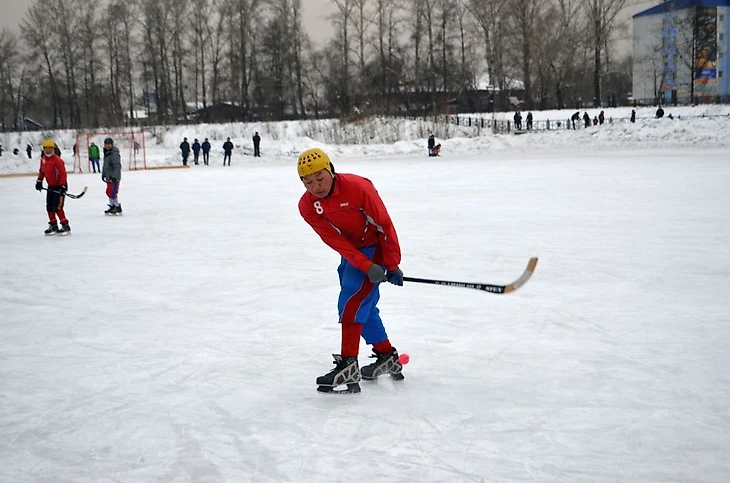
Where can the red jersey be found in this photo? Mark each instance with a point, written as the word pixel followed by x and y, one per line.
pixel 53 170
pixel 351 217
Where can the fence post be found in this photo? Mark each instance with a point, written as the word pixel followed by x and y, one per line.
pixel 547 124
pixel 508 126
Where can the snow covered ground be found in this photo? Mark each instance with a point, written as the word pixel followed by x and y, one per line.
pixel 180 342
pixel 379 138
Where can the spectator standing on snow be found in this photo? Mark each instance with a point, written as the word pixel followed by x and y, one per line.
pixel 227 150
pixel 518 120
pixel 529 121
pixel 586 120
pixel 256 145
pixel 196 151
pixel 633 115
pixel 29 151
pixel 185 150
pixel 575 117
pixel 205 147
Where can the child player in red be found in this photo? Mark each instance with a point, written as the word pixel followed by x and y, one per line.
pixel 347 213
pixel 54 171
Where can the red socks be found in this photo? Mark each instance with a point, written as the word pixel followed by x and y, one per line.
pixel 383 347
pixel 351 339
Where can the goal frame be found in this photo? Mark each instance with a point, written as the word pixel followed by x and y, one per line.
pixel 135 159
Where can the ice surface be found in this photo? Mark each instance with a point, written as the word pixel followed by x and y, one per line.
pixel 180 342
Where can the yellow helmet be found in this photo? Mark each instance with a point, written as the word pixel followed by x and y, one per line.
pixel 48 144
pixel 313 160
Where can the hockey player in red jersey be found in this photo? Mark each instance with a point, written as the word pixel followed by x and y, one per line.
pixel 53 170
pixel 346 211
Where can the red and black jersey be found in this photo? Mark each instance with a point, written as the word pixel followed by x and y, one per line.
pixel 52 170
pixel 353 216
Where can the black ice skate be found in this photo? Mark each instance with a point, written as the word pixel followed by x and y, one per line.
pixel 51 230
pixel 65 229
pixel 114 210
pixel 384 364
pixel 346 372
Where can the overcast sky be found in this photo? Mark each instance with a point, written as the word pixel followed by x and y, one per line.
pixel 315 13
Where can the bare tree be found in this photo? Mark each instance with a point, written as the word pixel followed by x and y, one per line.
pixel 342 19
pixel 9 57
pixel 41 44
pixel 526 14
pixel 601 18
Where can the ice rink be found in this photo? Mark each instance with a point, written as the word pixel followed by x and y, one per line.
pixel 180 342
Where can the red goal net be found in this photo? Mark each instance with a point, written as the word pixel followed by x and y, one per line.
pixel 131 145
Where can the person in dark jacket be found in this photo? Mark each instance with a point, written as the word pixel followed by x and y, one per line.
pixel 431 144
pixel 29 151
pixel 601 118
pixel 256 144
pixel 633 115
pixel 196 151
pixel 205 147
pixel 529 121
pixel 518 121
pixel 575 117
pixel 111 174
pixel 185 150
pixel 227 150
pixel 586 120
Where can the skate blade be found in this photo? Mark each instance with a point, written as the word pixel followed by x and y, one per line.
pixel 396 377
pixel 353 388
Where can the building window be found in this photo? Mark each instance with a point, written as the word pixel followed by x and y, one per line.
pixel 722 17
pixel 719 73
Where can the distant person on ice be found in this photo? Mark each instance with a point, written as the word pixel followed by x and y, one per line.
pixel 227 150
pixel 94 157
pixel 256 145
pixel 185 150
pixel 196 150
pixel 205 147
pixel 29 151
pixel 111 174
pixel 53 170
pixel 346 211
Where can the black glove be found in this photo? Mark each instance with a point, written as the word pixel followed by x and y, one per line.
pixel 103 178
pixel 62 189
pixel 395 277
pixel 39 184
pixel 376 274
pixel 113 180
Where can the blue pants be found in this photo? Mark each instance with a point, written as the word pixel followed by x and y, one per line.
pixel 95 164
pixel 359 299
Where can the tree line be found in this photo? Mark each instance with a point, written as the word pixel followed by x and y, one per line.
pixel 83 63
